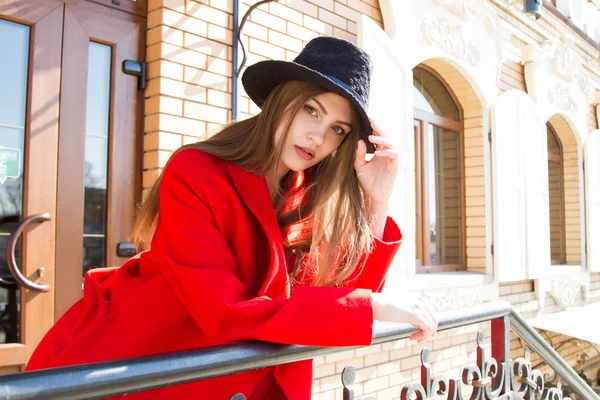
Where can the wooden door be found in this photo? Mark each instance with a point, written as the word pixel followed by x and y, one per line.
pixel 69 173
pixel 30 44
pixel 98 171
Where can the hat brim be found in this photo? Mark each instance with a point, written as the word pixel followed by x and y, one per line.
pixel 261 78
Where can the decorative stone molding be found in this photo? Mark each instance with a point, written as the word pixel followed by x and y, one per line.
pixel 466 9
pixel 566 63
pixel 477 9
pixel 450 39
pixel 559 96
pixel 453 298
pixel 558 82
pixel 564 289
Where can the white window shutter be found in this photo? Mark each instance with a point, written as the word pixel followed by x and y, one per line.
pixel 537 207
pixel 390 107
pixel 508 168
pixel 521 209
pixel 592 190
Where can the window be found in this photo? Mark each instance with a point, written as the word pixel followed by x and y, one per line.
pixel 556 198
pixel 439 176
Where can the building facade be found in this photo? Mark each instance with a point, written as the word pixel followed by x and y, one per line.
pixel 493 110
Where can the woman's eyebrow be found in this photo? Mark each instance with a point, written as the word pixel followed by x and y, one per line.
pixel 320 105
pixel 325 112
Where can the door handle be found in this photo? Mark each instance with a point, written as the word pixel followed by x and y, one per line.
pixel 10 253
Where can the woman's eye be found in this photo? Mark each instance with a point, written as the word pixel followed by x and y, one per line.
pixel 339 130
pixel 310 110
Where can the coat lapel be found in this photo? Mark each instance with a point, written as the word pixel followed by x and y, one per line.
pixel 254 193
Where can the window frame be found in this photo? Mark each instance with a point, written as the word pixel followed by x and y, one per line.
pixel 421 120
pixel 558 159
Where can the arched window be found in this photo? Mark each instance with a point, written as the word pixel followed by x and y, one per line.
pixel 440 221
pixel 556 197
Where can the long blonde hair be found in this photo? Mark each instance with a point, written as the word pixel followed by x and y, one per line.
pixel 320 210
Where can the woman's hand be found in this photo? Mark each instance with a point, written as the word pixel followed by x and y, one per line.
pixel 406 309
pixel 377 176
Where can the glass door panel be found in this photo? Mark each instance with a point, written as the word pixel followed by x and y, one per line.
pixel 96 156
pixel 14 46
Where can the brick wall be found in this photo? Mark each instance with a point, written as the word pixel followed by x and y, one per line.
pixel 382 370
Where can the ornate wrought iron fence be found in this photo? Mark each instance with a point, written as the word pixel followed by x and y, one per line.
pixel 496 377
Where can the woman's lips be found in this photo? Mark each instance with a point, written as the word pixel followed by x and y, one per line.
pixel 304 153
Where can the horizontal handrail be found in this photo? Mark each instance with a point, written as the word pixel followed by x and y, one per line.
pixel 99 380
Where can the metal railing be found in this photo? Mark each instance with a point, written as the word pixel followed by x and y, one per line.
pixel 492 378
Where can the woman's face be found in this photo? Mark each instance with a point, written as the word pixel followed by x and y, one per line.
pixel 316 131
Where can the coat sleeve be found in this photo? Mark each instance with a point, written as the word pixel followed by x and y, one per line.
pixel 372 276
pixel 217 300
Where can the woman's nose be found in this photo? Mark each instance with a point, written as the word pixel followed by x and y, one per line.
pixel 317 135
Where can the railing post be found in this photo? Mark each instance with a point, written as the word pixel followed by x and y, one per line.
pixel 501 350
pixel 348 376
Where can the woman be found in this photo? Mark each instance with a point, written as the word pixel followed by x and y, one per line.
pixel 274 229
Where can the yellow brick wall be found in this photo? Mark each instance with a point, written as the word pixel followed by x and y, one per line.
pixel 382 370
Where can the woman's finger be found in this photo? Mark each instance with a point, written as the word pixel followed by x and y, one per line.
pixel 429 323
pixel 381 141
pixel 434 319
pixel 418 336
pixel 425 322
pixel 376 129
pixel 431 317
pixel 388 153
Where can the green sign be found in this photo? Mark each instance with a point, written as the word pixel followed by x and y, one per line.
pixel 10 164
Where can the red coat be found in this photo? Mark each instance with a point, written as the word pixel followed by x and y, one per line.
pixel 215 274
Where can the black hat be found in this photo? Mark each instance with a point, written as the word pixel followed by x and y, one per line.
pixel 332 63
